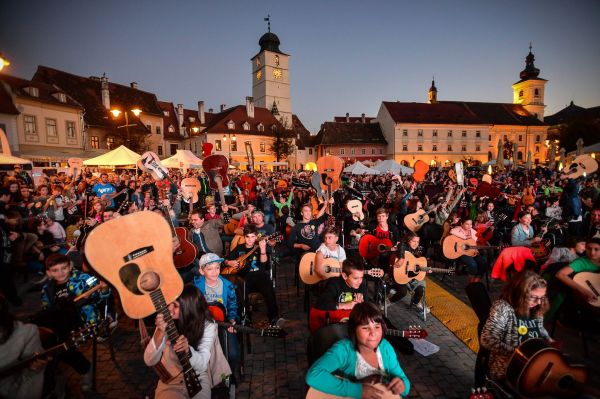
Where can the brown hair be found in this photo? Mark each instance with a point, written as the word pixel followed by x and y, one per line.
pixel 380 211
pixel 482 217
pixel 361 314
pixel 331 230
pixel 351 264
pixel 518 290
pixel 57 259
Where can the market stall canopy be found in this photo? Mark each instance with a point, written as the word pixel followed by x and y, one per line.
pixel 10 160
pixel 117 157
pixel 358 168
pixel 389 165
pixel 182 159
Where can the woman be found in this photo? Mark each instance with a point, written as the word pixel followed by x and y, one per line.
pixel 514 318
pixel 522 235
pixel 364 354
pixel 477 265
pixel 198 333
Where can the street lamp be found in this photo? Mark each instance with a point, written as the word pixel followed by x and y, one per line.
pixel 135 111
pixel 3 62
pixel 231 139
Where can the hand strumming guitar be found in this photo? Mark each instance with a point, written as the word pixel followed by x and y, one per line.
pixel 371 392
pixel 396 385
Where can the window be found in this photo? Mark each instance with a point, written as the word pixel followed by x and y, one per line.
pixel 372 151
pixel 261 127
pixel 477 147
pixel 231 125
pixel 363 151
pixel 520 137
pixel 342 151
pixel 521 94
pixel 449 133
pixel 61 97
pixel 536 92
pixel 192 118
pixel 149 127
pixel 537 138
pixel 262 148
pixel 95 142
pixel 246 126
pixel 449 147
pixel 420 133
pixel 160 152
pixel 464 133
pixel 33 91
pixel 352 151
pixel 195 147
pixel 110 143
pixel 218 145
pixel 233 145
pixel 263 144
pixel 165 113
pixel 404 133
pixel 520 156
pixel 70 129
pixel 478 133
pixel 171 129
pixel 463 148
pixel 420 147
pixel 537 148
pixel 51 128
pixel 174 148
pixel 434 132
pixel 157 129
pixel 380 151
pixel 30 126
pixel 490 137
pixel 434 148
pixel 404 147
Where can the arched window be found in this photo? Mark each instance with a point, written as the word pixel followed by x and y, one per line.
pixel 489 155
pixel 520 156
pixel 521 94
pixel 536 92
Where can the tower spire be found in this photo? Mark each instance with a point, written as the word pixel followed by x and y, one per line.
pixel 432 94
pixel 268 19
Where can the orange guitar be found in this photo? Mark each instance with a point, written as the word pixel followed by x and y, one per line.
pixel 330 169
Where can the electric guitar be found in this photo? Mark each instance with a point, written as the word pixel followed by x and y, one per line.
pixel 140 267
pixel 331 266
pixel 454 247
pixel 591 281
pixel 414 268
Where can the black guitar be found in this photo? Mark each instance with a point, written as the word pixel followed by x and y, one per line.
pixel 273 332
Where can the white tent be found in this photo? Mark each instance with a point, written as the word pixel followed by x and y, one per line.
pixel 493 162
pixel 11 160
pixel 118 157
pixel 358 168
pixel 391 166
pixel 182 159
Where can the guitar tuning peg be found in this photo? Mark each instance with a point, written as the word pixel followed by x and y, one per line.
pixel 484 389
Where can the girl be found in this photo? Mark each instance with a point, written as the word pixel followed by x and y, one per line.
pixel 477 265
pixel 364 354
pixel 522 235
pixel 198 333
pixel 514 318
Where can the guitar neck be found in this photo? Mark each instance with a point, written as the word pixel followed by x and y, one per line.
pixel 191 379
pixel 241 328
pixel 397 333
pixel 52 352
pixel 434 269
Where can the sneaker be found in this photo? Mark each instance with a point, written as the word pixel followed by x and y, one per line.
pixel 279 323
pixel 419 307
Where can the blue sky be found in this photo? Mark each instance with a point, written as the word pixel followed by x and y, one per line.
pixel 346 56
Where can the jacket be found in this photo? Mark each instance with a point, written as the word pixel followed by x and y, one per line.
pixel 229 298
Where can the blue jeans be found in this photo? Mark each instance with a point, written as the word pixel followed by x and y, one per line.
pixel 477 265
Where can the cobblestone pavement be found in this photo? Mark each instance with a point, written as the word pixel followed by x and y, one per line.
pixel 276 367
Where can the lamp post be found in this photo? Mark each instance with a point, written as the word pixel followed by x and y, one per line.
pixel 3 62
pixel 135 111
pixel 230 140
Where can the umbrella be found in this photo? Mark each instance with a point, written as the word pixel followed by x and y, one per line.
pixel 579 146
pixel 182 159
pixel 562 156
pixel 552 157
pixel 11 160
pixel 500 158
pixel 528 164
pixel 515 151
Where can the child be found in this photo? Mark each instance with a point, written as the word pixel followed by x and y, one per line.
pixel 329 249
pixel 217 289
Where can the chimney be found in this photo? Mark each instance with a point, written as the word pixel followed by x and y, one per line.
pixel 134 85
pixel 201 117
pixel 362 116
pixel 104 91
pixel 347 117
pixel 250 107
pixel 223 107
pixel 211 111
pixel 180 119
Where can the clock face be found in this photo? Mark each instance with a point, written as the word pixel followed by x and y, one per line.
pixel 277 74
pixel 258 74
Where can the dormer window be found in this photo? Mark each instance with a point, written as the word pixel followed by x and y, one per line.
pixel 61 97
pixel 231 125
pixel 261 127
pixel 32 91
pixel 246 126
pixel 192 119
pixel 166 113
pixel 171 129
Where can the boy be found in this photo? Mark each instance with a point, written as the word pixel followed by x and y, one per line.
pixel 329 249
pixel 345 291
pixel 217 289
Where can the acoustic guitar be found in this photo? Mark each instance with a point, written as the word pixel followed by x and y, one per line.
pixel 356 209
pixel 190 186
pixel 217 311
pixel 216 167
pixel 248 185
pixel 414 268
pixel 277 237
pixel 421 169
pixel 387 394
pixel 537 369
pixel 331 267
pixel 140 266
pixel 591 281
pixel 414 221
pixel 330 169
pixel 370 246
pixel 454 247
pixel 582 166
pixel 150 163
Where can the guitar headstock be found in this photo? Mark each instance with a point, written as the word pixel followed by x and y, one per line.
pixel 376 273
pixel 274 332
pixel 451 270
pixel 84 334
pixel 415 332
pixel 480 393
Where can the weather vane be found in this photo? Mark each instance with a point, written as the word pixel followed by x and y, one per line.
pixel 268 19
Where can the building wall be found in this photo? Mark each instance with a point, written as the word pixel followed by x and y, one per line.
pixel 9 124
pixel 257 142
pixel 352 152
pixel 387 125
pixel 532 102
pixel 528 138
pixel 154 139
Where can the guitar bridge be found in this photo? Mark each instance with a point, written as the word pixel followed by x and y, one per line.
pixel 138 253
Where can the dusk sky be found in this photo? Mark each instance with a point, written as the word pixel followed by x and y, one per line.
pixel 346 56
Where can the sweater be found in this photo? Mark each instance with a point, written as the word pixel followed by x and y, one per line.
pixel 341 358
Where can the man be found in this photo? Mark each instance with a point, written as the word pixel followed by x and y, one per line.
pixel 21 174
pixel 305 235
pixel 104 190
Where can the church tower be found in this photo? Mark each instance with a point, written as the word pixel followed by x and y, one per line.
pixel 432 94
pixel 529 91
pixel 271 78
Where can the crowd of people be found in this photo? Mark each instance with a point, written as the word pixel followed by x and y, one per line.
pixel 536 228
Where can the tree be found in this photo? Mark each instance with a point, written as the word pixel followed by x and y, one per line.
pixel 282 145
pixel 508 149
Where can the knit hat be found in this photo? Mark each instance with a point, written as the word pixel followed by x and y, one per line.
pixel 210 258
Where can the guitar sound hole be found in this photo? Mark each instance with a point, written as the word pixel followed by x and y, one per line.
pixel 149 281
pixel 566 382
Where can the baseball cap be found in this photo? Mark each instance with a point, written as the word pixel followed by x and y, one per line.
pixel 209 258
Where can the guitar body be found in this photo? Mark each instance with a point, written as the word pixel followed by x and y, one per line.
pixel 591 281
pixel 484 234
pixel 528 196
pixel 356 209
pixel 315 394
pixel 536 370
pixel 237 240
pixel 455 247
pixel 187 252
pixel 248 185
pixel 307 272
pixel 542 249
pixel 230 227
pixel 421 169
pixel 405 273
pixel 367 246
pixel 140 256
pixel 415 221
pixel 330 169
pixel 190 186
pixel 583 164
pixel 216 165
pixel 150 163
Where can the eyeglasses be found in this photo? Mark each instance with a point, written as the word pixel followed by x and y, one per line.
pixel 537 298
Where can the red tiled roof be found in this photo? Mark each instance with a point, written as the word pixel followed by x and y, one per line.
pixel 350 133
pixel 298 129
pixel 86 91
pixel 170 120
pixel 357 119
pixel 218 122
pixel 45 91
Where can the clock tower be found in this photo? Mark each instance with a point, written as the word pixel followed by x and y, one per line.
pixel 271 78
pixel 529 91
